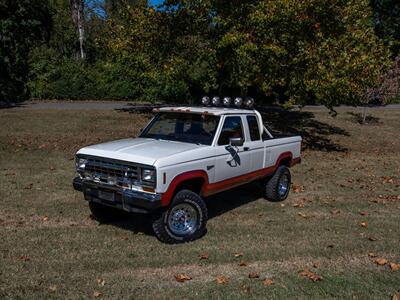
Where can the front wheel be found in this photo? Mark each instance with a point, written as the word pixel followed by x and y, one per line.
pixel 184 221
pixel 278 186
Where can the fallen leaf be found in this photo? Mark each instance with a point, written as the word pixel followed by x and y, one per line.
pixel 242 264
pixel 381 261
pixel 298 205
pixel 53 288
pixel 203 256
pixel 297 188
pixel 371 254
pixel 221 279
pixel 268 281
pixel 97 294
pixel 254 275
pixel 317 264
pixel 394 267
pixel 238 254
pixel 363 213
pixel 24 258
pixel 101 282
pixel 307 273
pixel 364 224
pixel 45 218
pixel 182 277
pixel 29 186
pixel 52 168
pixel 372 238
pixel 335 211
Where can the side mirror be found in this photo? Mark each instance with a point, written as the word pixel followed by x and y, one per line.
pixel 236 142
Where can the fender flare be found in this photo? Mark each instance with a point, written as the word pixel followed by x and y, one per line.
pixel 166 197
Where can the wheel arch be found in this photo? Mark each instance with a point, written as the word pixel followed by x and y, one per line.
pixel 192 180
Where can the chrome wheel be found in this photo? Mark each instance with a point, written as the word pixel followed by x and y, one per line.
pixel 283 185
pixel 182 219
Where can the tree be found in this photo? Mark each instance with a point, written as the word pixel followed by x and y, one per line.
pixel 23 24
pixel 77 12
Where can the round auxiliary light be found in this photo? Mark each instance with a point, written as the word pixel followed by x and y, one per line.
pixel 216 101
pixel 205 100
pixel 249 102
pixel 238 101
pixel 227 101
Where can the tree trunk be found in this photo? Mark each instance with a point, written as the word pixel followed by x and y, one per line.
pixel 77 7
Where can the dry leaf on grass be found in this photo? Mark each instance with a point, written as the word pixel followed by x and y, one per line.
pixel 203 256
pixel 221 279
pixel 307 273
pixel 372 238
pixel 45 218
pixel 335 211
pixel 97 294
pixel 317 264
pixel 182 277
pixel 254 275
pixel 297 188
pixel 238 254
pixel 394 267
pixel 364 224
pixel 372 254
pixel 101 282
pixel 242 264
pixel 299 205
pixel 381 261
pixel 363 213
pixel 28 186
pixel 53 288
pixel 24 258
pixel 268 281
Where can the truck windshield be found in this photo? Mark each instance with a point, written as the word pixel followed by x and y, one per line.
pixel 182 127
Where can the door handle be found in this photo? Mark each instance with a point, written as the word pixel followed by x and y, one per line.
pixel 246 148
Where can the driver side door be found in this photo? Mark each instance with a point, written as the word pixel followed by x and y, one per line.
pixel 231 161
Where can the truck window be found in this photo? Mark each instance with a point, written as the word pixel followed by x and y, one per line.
pixel 253 128
pixel 232 128
pixel 182 127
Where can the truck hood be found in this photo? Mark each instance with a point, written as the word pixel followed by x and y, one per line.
pixel 139 150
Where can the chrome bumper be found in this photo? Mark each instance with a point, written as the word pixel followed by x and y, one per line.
pixel 128 200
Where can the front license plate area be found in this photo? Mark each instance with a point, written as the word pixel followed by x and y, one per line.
pixel 108 196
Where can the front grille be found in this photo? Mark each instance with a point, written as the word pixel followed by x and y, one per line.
pixel 110 172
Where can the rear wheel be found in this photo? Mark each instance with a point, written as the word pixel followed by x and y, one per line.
pixel 184 221
pixel 278 186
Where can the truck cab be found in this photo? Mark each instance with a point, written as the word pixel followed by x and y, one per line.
pixel 181 156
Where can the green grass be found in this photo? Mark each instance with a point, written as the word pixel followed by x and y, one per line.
pixel 51 248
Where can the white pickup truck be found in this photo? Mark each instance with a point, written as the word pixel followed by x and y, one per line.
pixel 183 155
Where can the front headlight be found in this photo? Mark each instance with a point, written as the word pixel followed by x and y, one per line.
pixel 80 163
pixel 148 175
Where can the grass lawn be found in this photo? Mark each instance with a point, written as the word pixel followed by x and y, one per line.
pixel 343 213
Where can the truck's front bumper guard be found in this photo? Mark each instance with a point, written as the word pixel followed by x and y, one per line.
pixel 129 200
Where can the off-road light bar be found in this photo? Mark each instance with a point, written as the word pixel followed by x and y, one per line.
pixel 227 101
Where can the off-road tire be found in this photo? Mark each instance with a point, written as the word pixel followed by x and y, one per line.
pixel 161 225
pixel 271 185
pixel 103 213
